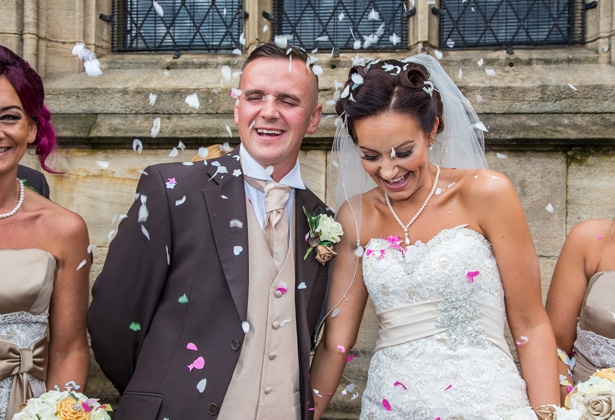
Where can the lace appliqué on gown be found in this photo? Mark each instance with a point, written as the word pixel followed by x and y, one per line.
pixel 21 329
pixel 599 350
pixel 455 374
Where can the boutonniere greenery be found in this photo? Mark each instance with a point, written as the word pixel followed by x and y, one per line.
pixel 323 233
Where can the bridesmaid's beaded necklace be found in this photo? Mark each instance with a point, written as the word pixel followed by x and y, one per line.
pixel 19 202
pixel 418 213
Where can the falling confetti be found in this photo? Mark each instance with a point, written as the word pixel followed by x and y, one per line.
pixel 246 326
pixel 265 28
pixel 174 152
pixel 235 93
pixel 236 223
pixel 193 101
pixel 573 87
pixel 226 73
pixel 450 43
pixel 373 15
pixel 102 164
pixel 451 184
pixel 480 62
pixel 522 340
pixel 460 74
pixel 81 264
pixel 357 79
pixel 448 387
pixel 471 275
pixel 281 41
pixel 341 16
pixel 438 191
pixel 199 364
pixel 335 313
pixel 191 346
pixel 144 231
pixel 481 126
pixel 479 98
pixel 168 256
pixel 438 54
pixel 158 8
pixel 549 208
pixel 237 250
pixel 495 177
pixel 228 130
pixel 183 299
pixel 342 348
pixel 180 201
pixel 137 146
pixel 599 236
pixel 490 72
pixel 152 99
pixel 501 156
pixel 155 127
pixel 135 326
pixel 394 39
pixel 350 358
pixel 302 286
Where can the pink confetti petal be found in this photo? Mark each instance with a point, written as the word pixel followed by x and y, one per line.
pixel 191 346
pixel 386 404
pixel 448 387
pixel 599 236
pixel 399 383
pixel 342 348
pixel 471 275
pixel 172 181
pixel 199 363
pixel 350 358
pixel 86 407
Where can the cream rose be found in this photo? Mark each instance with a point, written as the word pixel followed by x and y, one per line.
pixel 600 406
pixel 328 229
pixel 99 414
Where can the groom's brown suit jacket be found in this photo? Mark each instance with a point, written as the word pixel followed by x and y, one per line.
pixel 180 276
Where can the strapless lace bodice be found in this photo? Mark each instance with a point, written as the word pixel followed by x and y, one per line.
pixel 441 315
pixel 595 342
pixel 24 306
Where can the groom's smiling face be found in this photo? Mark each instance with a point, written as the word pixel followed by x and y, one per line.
pixel 277 107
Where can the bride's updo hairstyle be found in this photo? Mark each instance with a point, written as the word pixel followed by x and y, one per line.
pixel 29 87
pixel 390 85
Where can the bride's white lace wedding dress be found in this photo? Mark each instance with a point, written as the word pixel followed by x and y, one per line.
pixel 441 351
pixel 27 282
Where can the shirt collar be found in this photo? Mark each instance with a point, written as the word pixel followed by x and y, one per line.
pixel 253 169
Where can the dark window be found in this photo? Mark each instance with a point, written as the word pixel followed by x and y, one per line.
pixel 508 23
pixel 342 24
pixel 197 25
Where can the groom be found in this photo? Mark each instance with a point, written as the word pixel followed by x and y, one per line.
pixel 206 307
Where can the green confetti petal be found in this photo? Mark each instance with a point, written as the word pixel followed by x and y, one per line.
pixel 183 299
pixel 135 326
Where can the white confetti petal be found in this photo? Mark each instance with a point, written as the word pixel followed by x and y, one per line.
pixel 438 54
pixel 180 201
pixel 322 38
pixel 495 177
pixel 460 74
pixel 137 146
pixel 242 39
pixel 92 67
pixel 193 101
pixel 450 43
pixel 246 326
pixel 549 208
pixel 225 147
pixel 155 127
pixel 301 286
pixel 188 163
pixel 168 256
pixel 143 214
pixel 345 92
pixel 481 126
pixel 393 154
pixel 237 250
pixel 490 72
pixel 373 15
pixel 281 41
pixel 226 73
pixel 341 16
pixel 102 164
pixel 438 191
pixel 235 93
pixel 203 152
pixel 181 145
pixel 228 130
pixel 111 235
pixel 158 8
pixel 337 84
pixel 356 44
pixel 357 78
pixel 236 223
pixel 174 152
pixel 501 156
pixel 81 264
pixel 265 28
pixel 286 321
pixel 451 184
pixel 224 197
pixel 480 62
pixel 90 248
pixel 335 312
pixel 573 87
pixel 144 231
pixel 479 98
pixel 152 99
pixel 394 39
pixel 236 51
pixel 317 70
pixel 201 385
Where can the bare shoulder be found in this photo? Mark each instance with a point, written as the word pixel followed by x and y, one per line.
pixel 590 236
pixel 485 186
pixel 59 222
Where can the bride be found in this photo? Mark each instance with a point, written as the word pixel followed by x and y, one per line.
pixel 445 254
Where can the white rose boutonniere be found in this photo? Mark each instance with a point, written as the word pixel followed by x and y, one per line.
pixel 323 233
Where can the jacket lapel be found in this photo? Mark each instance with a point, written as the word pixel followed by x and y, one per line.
pixel 226 202
pixel 305 270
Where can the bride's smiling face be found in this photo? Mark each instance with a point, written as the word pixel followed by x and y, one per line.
pixel 394 152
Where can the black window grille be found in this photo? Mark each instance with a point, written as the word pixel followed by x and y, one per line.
pixel 510 23
pixel 196 25
pixel 342 24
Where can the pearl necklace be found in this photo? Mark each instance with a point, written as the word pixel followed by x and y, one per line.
pixel 418 213
pixel 19 202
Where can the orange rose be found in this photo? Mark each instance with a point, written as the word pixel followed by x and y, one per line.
pixel 71 409
pixel 606 374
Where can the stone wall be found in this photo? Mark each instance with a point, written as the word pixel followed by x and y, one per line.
pixel 549 112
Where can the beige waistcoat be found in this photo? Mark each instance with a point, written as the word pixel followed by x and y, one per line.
pixel 265 383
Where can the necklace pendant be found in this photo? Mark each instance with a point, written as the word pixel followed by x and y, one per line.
pixel 407 239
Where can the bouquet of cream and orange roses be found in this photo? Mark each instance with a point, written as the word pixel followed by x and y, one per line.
pixel 593 399
pixel 63 405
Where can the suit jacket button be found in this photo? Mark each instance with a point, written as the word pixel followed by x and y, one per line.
pixel 235 345
pixel 213 409
pixel 278 293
